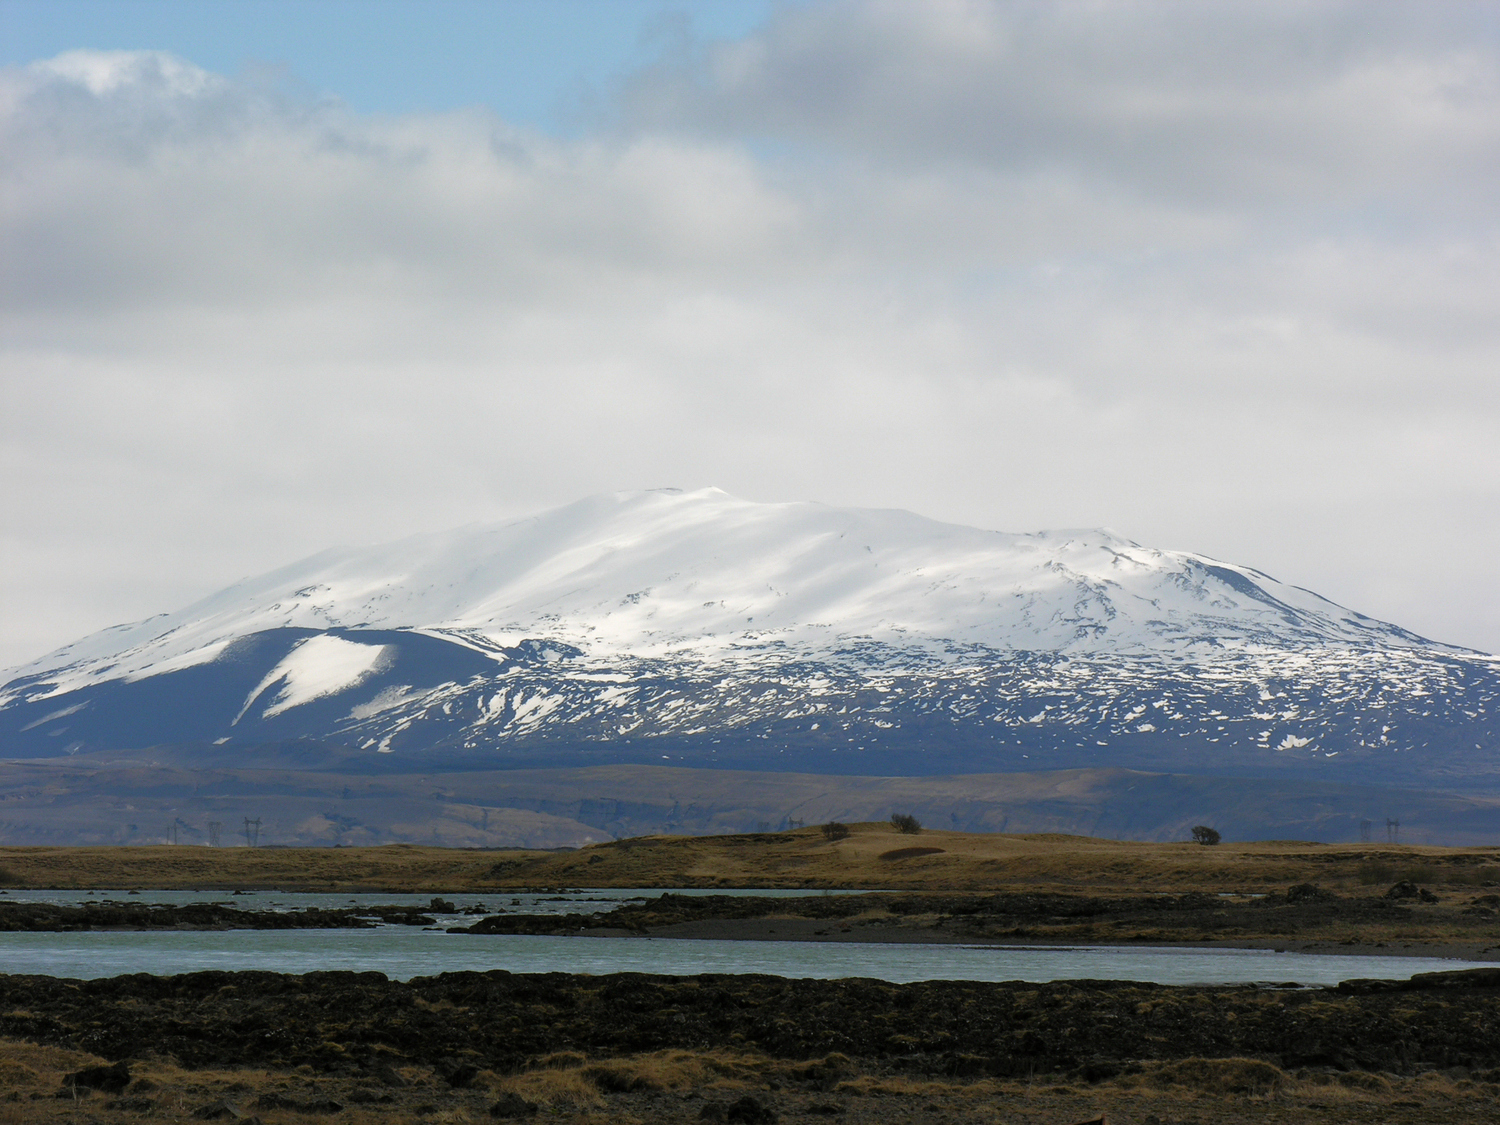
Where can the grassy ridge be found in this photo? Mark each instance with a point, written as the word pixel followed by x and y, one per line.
pixel 873 856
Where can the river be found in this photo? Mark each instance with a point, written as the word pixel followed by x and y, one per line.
pixel 402 952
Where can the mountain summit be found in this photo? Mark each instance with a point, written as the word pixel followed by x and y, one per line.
pixel 698 628
pixel 665 570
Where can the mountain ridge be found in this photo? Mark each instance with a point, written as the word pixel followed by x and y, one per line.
pixel 509 598
pixel 698 629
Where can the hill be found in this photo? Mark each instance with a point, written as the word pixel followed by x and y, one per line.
pixel 873 857
pixel 300 796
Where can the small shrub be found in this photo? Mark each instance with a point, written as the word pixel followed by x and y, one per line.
pixel 905 822
pixel 1203 834
pixel 833 830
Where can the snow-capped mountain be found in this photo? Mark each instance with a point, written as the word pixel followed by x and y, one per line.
pixel 699 628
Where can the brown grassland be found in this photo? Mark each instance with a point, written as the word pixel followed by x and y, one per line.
pixel 873 857
pixel 689 1086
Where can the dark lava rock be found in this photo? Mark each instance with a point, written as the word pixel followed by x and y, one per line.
pixel 512 1105
pixel 401 916
pixel 459 1075
pixel 750 1111
pixel 224 1110
pixel 982 915
pixel 385 1073
pixel 38 917
pixel 1308 892
pixel 108 1079
pixel 825 1073
pixel 369 1097
pixel 746 1111
pixel 505 1022
pixel 1099 1070
pixel 132 1105
pixel 281 1101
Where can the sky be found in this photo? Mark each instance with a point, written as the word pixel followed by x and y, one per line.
pixel 282 275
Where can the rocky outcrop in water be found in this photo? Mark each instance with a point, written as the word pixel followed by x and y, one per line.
pixel 44 917
pixel 1194 916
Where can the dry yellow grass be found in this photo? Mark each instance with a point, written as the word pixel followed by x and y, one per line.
pixel 873 856
pixel 673 1085
pixel 393 868
pixel 870 857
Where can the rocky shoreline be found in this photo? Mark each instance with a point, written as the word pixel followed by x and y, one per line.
pixel 1406 918
pixel 43 917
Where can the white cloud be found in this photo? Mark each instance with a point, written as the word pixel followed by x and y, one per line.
pixel 105 73
pixel 1216 276
pixel 1210 104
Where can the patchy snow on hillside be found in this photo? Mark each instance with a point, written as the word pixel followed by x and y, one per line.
pixel 317 667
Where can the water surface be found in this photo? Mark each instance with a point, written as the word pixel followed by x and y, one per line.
pixel 402 953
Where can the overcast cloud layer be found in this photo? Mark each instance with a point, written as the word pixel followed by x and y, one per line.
pixel 1222 277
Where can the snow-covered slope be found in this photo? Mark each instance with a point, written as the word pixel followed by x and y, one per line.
pixel 706 620
pixel 648 573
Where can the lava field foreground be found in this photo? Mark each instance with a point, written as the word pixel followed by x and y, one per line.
pixel 629 1047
